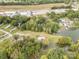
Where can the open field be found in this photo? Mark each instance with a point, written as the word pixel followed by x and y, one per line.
pixel 29 7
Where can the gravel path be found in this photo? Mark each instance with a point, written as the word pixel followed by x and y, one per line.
pixel 6 35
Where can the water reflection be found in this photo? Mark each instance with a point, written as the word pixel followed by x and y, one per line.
pixel 74 34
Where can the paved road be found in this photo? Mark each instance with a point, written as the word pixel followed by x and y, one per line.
pixel 30 13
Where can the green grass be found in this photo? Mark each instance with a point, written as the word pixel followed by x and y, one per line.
pixel 52 38
pixel 3 26
pixel 15 31
pixel 1 33
pixel 5 44
pixel 10 28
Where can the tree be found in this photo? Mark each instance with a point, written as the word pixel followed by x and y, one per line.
pixel 56 54
pixel 27 48
pixel 67 1
pixel 1 19
pixel 64 41
pixel 3 55
pixel 43 57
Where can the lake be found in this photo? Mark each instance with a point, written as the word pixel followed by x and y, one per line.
pixel 74 34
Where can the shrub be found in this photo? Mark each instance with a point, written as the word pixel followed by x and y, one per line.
pixel 43 57
pixel 65 57
pixel 3 55
pixel 27 48
pixel 28 2
pixel 64 41
pixel 73 47
pixel 77 55
pixel 56 54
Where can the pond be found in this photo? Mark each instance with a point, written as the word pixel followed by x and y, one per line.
pixel 74 34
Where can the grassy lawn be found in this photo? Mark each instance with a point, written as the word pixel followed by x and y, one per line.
pixel 15 31
pixel 52 38
pixel 1 33
pixel 5 43
pixel 10 28
pixel 3 26
pixel 29 7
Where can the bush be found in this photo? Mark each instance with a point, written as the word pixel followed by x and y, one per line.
pixel 27 48
pixel 56 54
pixel 65 57
pixel 64 41
pixel 40 24
pixel 77 55
pixel 43 57
pixel 74 47
pixel 3 55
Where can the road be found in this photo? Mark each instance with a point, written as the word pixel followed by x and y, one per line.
pixel 31 13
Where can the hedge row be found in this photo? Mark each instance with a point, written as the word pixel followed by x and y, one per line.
pixel 29 2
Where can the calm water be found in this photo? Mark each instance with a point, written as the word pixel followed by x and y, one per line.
pixel 74 34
